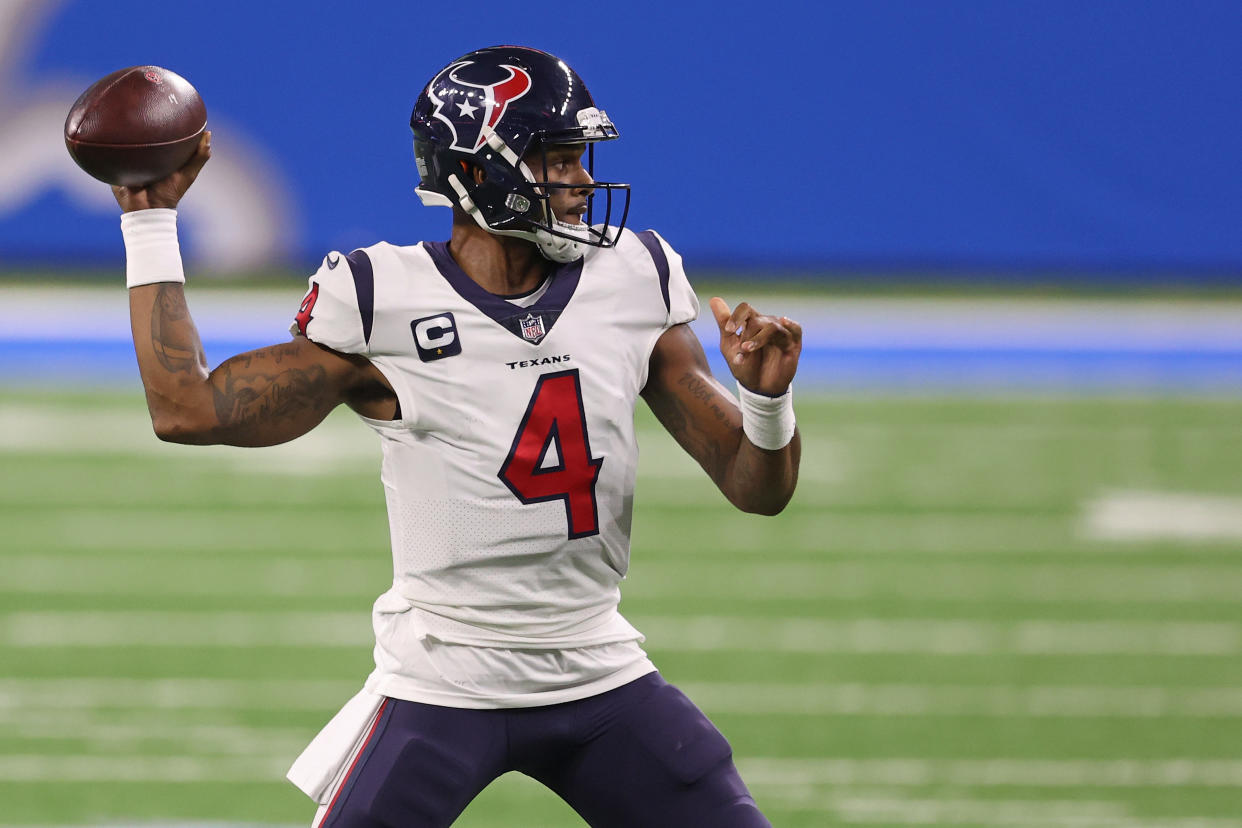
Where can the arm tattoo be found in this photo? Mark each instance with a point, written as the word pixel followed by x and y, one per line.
pixel 704 393
pixel 717 458
pixel 680 423
pixel 173 337
pixel 248 398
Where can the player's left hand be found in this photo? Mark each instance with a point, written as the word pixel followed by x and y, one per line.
pixel 762 351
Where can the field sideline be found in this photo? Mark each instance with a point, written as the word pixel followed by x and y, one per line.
pixel 1017 611
pixel 58 336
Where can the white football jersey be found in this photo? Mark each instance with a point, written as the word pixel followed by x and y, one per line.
pixel 509 476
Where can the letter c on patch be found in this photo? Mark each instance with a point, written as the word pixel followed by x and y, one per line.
pixel 436 337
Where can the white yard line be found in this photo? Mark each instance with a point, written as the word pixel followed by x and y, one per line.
pixel 807 536
pixel 992 701
pixel 185 629
pixel 1003 534
pixel 776 773
pixel 175 694
pixel 124 768
pixel 989 773
pixel 143 731
pixel 983 581
pixel 194 575
pixel 82 706
pixel 340 444
pixel 689 634
pixel 1178 516
pixel 870 809
pixel 865 807
pixel 941 637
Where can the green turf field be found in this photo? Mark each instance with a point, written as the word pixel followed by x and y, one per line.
pixel 977 612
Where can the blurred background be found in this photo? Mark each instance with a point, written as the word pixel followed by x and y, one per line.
pixel 1007 590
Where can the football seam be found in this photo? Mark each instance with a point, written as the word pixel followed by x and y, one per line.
pixel 95 104
pixel 79 142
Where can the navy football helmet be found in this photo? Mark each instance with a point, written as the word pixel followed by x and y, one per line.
pixel 490 109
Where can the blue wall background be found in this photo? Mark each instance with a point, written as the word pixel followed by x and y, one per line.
pixel 1076 137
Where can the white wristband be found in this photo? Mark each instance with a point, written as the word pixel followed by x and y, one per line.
pixel 768 422
pixel 152 253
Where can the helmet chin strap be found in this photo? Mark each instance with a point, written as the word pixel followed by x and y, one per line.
pixel 558 248
pixel 552 247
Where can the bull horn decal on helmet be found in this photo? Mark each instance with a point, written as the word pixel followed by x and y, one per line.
pixel 494 99
pixel 499 96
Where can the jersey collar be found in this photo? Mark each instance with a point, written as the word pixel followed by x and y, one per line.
pixel 530 324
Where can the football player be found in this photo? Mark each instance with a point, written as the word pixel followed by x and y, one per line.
pixel 500 370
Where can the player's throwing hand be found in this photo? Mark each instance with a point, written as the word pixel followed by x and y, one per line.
pixel 762 351
pixel 166 192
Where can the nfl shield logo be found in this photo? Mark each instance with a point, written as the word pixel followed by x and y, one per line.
pixel 532 327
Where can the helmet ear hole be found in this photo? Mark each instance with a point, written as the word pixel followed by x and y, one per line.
pixel 473 172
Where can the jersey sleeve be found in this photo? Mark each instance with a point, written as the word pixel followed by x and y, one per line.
pixel 335 309
pixel 679 298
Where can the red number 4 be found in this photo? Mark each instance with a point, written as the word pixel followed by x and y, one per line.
pixel 556 421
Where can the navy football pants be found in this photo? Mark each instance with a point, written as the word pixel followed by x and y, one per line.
pixel 639 755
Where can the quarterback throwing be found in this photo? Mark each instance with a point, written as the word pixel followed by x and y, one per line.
pixel 500 371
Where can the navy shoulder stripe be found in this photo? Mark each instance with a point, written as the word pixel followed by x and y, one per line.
pixel 652 243
pixel 364 287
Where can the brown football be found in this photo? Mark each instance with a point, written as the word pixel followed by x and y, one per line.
pixel 135 126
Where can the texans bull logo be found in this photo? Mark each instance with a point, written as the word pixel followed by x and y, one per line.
pixel 474 110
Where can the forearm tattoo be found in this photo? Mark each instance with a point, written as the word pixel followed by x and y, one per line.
pixel 173 337
pixel 681 424
pixel 705 393
pixel 245 393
